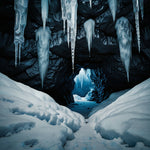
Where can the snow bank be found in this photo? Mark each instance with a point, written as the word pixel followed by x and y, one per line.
pixel 33 120
pixel 108 101
pixel 128 117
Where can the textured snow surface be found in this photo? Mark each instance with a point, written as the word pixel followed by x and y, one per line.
pixel 128 117
pixel 30 119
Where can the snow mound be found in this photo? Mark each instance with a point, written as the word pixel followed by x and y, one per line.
pixel 128 117
pixel 32 119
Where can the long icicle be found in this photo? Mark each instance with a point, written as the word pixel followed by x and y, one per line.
pixel 113 8
pixel 44 11
pixel 137 24
pixel 90 1
pixel 20 7
pixel 124 35
pixel 69 14
pixel 142 8
pixel 89 27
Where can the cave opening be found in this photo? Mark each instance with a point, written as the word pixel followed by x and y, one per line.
pixel 89 90
pixel 83 84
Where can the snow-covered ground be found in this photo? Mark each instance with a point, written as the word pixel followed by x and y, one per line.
pixel 32 120
pixel 127 118
pixel 82 105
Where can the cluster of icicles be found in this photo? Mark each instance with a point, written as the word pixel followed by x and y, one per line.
pixel 69 17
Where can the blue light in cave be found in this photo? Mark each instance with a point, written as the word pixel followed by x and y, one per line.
pixel 83 83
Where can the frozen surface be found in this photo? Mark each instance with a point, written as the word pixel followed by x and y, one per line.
pixel 89 27
pixel 127 118
pixel 113 8
pixel 107 102
pixel 82 105
pixel 124 35
pixel 30 119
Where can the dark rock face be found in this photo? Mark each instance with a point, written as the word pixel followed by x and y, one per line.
pixel 104 53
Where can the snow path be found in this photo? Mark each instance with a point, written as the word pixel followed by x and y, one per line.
pixel 32 120
pixel 83 106
pixel 85 139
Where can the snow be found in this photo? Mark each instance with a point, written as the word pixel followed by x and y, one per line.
pixel 82 106
pixel 128 117
pixel 108 101
pixel 33 120
pixel 124 35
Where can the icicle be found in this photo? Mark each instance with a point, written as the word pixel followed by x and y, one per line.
pixel 42 38
pixel 20 7
pixel 69 13
pixel 90 1
pixel 136 12
pixel 124 34
pixel 142 8
pixel 68 33
pixel 113 8
pixel 63 10
pixel 44 11
pixel 89 27
pixel 73 28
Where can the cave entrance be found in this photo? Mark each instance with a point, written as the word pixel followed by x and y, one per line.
pixel 83 84
pixel 82 93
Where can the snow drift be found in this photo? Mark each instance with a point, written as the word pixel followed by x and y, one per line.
pixel 128 117
pixel 33 120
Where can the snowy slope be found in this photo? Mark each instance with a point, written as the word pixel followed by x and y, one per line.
pixel 30 119
pixel 108 101
pixel 128 117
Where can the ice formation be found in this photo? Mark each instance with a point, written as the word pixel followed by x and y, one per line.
pixel 42 38
pixel 63 11
pixel 90 1
pixel 20 7
pixel 44 11
pixel 136 12
pixel 142 8
pixel 89 27
pixel 69 13
pixel 124 34
pixel 113 8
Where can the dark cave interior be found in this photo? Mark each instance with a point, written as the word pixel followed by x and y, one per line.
pixel 108 73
